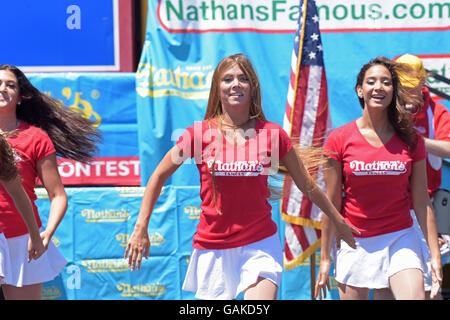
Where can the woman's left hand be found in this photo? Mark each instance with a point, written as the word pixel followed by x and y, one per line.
pixel 436 276
pixel 46 238
pixel 345 232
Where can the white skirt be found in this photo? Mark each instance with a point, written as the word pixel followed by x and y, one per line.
pixel 428 281
pixel 44 269
pixel 5 261
pixel 223 274
pixel 377 258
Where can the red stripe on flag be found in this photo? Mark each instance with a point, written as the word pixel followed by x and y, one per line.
pixel 299 108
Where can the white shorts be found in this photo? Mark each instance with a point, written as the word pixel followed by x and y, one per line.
pixel 428 281
pixel 223 274
pixel 5 261
pixel 44 269
pixel 375 259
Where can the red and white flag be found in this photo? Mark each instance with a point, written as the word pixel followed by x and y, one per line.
pixel 307 118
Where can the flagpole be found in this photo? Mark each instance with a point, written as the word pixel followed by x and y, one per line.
pixel 312 267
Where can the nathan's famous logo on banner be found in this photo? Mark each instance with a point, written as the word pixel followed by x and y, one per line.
pixel 81 105
pixel 132 192
pixel 187 82
pixel 280 16
pixel 107 215
pixel 141 290
pixel 50 293
pixel 105 265
pixel 439 64
pixel 156 239
pixel 370 15
pixel 220 15
pixel 192 212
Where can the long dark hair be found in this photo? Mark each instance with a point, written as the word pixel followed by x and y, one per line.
pixel 8 168
pixel 399 116
pixel 73 136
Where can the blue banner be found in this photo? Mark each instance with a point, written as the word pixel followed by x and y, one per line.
pixel 109 100
pixel 62 35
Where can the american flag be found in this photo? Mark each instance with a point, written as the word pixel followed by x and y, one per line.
pixel 307 117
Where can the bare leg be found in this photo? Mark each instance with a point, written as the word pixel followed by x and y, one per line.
pixel 263 289
pixel 408 285
pixel 31 292
pixel 347 292
pixel 386 294
pixel 383 294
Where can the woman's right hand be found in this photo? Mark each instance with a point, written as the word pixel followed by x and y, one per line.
pixel 35 247
pixel 323 283
pixel 137 247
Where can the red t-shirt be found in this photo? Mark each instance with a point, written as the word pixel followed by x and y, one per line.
pixel 375 180
pixel 241 182
pixel 30 145
pixel 433 121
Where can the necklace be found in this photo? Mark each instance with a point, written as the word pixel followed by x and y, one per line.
pixel 233 126
pixel 238 137
pixel 14 128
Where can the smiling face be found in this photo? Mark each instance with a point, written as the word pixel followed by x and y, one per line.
pixel 235 89
pixel 9 90
pixel 377 88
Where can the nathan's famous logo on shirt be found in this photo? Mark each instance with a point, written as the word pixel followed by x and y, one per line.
pixel 105 265
pixel 141 290
pixel 235 168
pixel 108 215
pixel 236 152
pixel 361 168
pixel 190 82
pixel 17 157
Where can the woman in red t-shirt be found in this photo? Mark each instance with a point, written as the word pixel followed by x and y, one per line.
pixel 374 162
pixel 39 127
pixel 10 180
pixel 235 248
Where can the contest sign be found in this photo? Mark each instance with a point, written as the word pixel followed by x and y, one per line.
pixel 63 35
